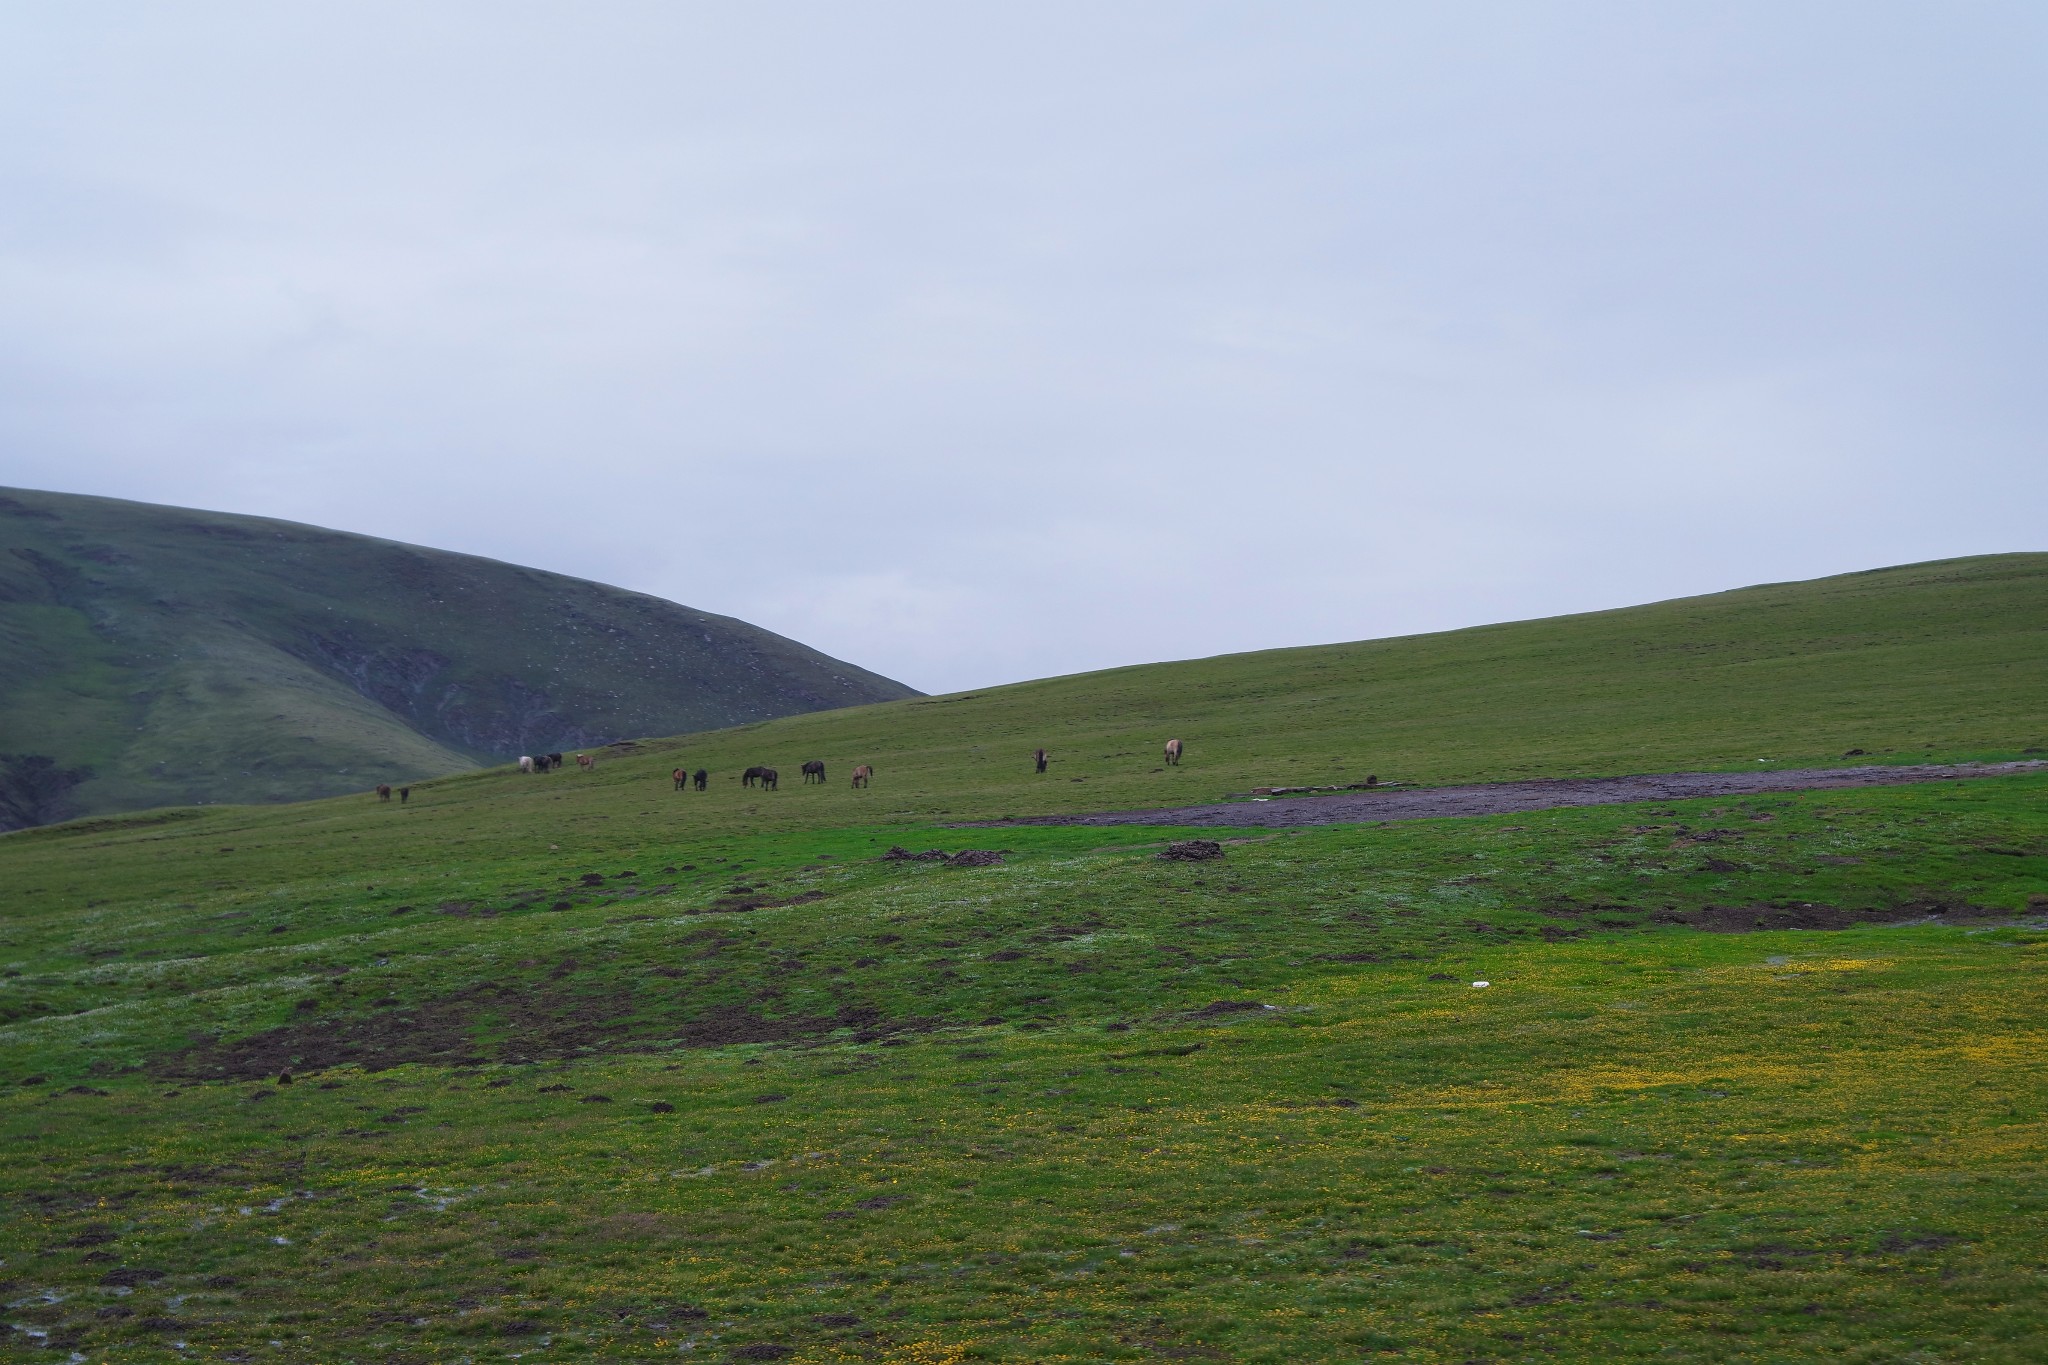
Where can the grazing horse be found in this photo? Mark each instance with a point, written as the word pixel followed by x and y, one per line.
pixel 769 777
pixel 752 775
pixel 863 775
pixel 526 763
pixel 383 792
pixel 404 795
pixel 1173 752
pixel 586 762
pixel 699 778
pixel 682 778
pixel 1038 757
pixel 554 761
pixel 814 771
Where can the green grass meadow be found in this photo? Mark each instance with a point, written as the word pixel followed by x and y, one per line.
pixel 583 1067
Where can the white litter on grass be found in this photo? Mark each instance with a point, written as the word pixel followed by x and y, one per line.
pixel 282 1241
pixel 1481 985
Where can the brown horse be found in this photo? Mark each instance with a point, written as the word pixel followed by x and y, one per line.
pixel 682 778
pixel 383 792
pixel 862 774
pixel 1173 752
pixel 585 762
pixel 1038 757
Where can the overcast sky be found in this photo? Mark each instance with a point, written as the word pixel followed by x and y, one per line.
pixel 976 342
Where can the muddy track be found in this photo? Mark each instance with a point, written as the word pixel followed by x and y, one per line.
pixel 1501 798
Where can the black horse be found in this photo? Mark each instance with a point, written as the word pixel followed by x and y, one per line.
pixel 814 771
pixel 1038 757
pixel 753 775
pixel 700 777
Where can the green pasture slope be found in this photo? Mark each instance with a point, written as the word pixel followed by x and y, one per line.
pixel 584 1067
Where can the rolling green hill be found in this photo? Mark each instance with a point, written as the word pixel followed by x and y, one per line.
pixel 154 655
pixel 1941 659
pixel 581 1064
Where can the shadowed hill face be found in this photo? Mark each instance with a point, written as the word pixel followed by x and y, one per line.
pixel 182 656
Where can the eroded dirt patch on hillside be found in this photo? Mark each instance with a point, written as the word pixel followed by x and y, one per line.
pixel 489 1023
pixel 1502 798
pixel 1749 919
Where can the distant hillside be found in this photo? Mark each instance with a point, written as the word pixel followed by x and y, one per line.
pixel 154 656
pixel 1945 660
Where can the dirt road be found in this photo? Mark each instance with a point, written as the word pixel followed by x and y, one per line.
pixel 1499 798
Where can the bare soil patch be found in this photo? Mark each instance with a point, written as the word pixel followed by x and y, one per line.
pixel 1500 798
pixel 504 1023
pixel 1745 919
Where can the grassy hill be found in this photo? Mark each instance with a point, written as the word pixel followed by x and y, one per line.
pixel 154 655
pixel 1947 658
pixel 587 1066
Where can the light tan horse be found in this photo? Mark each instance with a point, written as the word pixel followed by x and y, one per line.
pixel 585 762
pixel 1173 752
pixel 862 774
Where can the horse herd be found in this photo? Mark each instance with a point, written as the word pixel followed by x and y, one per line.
pixel 765 778
pixel 754 776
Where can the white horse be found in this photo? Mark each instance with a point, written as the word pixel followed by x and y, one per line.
pixel 526 763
